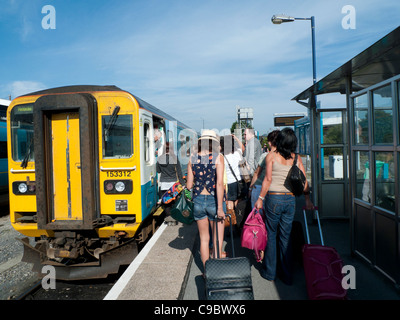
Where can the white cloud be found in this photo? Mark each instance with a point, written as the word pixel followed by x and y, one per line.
pixel 200 59
pixel 18 88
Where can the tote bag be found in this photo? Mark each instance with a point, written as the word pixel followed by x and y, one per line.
pixel 182 210
pixel 244 170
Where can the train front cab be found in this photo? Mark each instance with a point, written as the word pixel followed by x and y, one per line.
pixel 75 168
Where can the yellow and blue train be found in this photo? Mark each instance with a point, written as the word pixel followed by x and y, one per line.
pixel 82 176
pixel 3 148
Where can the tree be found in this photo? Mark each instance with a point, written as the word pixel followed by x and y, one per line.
pixel 243 126
pixel 264 140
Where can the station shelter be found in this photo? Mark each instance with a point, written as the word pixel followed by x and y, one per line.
pixel 355 151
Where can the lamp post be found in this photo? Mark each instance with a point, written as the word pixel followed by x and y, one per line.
pixel 278 19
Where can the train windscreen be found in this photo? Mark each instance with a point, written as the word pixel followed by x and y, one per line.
pixel 22 133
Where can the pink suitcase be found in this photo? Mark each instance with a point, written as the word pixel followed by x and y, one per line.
pixel 322 268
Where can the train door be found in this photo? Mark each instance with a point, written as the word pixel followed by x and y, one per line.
pixel 148 164
pixel 66 164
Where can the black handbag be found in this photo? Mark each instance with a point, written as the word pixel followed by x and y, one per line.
pixel 296 179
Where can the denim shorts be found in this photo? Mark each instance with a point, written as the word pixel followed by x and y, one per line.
pixel 205 206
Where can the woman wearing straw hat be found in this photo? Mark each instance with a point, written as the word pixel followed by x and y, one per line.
pixel 206 177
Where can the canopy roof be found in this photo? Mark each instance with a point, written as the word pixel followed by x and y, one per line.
pixel 375 64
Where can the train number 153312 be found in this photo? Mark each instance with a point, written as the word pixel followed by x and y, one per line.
pixel 118 174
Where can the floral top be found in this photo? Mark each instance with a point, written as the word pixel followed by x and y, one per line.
pixel 205 174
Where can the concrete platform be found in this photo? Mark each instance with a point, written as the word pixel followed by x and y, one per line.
pixel 160 270
pixel 169 268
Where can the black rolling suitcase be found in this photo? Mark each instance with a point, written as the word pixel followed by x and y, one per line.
pixel 228 278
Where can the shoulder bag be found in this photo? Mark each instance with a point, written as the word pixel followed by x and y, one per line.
pixel 182 210
pixel 244 170
pixel 295 180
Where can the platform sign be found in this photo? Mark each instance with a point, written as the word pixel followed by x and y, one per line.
pixel 286 121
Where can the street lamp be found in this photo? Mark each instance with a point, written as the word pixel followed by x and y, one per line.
pixel 278 19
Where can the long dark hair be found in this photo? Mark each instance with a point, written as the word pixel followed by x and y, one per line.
pixel 212 146
pixel 272 137
pixel 286 143
pixel 208 144
pixel 228 144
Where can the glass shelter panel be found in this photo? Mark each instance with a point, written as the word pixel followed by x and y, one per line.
pixel 384 182
pixel 302 145
pixel 383 115
pixel 333 163
pixel 363 182
pixel 361 120
pixel 332 132
pixel 398 110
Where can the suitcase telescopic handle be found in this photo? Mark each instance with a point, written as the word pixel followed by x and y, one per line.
pixel 216 230
pixel 319 225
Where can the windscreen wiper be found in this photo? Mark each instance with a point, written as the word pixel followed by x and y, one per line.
pixel 112 120
pixel 25 161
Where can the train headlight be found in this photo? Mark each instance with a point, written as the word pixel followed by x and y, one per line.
pixel 120 186
pixel 22 187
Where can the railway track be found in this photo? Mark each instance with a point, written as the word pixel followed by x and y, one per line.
pixel 93 289
pixel 71 290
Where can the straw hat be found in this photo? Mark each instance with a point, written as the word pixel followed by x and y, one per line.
pixel 209 134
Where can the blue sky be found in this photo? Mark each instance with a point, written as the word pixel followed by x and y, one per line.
pixel 196 60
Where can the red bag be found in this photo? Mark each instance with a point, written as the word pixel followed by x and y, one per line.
pixel 322 268
pixel 254 233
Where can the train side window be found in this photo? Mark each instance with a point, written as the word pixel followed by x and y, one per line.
pixel 117 137
pixel 146 136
